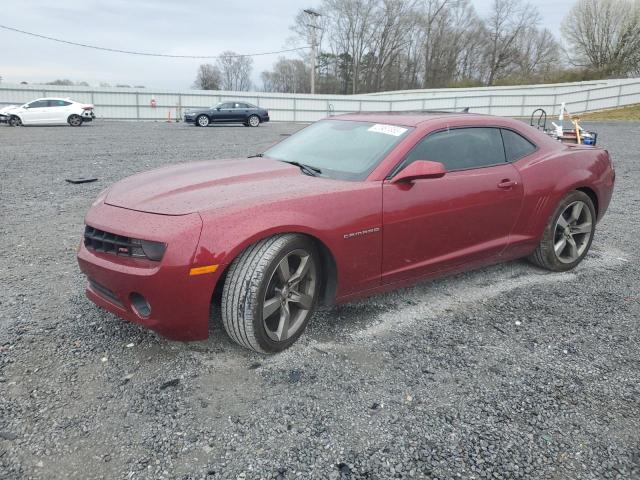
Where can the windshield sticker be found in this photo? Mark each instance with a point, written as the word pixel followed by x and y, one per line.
pixel 387 129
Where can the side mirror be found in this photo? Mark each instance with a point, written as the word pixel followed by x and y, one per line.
pixel 25 106
pixel 218 108
pixel 420 169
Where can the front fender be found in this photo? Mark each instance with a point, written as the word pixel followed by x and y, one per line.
pixel 222 241
pixel 357 259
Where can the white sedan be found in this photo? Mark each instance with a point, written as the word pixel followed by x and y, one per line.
pixel 50 111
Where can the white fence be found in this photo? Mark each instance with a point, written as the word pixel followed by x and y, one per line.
pixel 135 104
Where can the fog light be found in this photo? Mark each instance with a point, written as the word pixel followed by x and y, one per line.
pixel 140 304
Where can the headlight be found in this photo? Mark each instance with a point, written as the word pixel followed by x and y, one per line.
pixel 153 250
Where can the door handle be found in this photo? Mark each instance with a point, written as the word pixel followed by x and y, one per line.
pixel 506 183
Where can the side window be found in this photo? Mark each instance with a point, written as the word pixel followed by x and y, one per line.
pixel 226 105
pixel 38 104
pixel 58 103
pixel 461 148
pixel 242 105
pixel 516 146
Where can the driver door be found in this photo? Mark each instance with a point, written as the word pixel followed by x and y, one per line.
pixel 35 113
pixel 224 113
pixel 435 224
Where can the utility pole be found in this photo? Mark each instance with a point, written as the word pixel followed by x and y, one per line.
pixel 313 25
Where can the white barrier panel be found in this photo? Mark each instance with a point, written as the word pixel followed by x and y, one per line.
pixel 135 103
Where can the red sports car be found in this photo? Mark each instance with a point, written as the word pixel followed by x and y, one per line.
pixel 349 206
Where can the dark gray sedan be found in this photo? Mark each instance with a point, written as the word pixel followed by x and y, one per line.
pixel 227 112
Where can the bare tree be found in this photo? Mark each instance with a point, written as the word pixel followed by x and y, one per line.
pixel 235 71
pixel 63 82
pixel 354 24
pixel 374 45
pixel 396 21
pixel 604 35
pixel 287 76
pixel 208 77
pixel 453 41
pixel 538 53
pixel 506 23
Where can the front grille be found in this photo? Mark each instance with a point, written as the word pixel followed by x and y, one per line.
pixel 101 241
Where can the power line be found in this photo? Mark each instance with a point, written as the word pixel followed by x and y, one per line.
pixel 146 54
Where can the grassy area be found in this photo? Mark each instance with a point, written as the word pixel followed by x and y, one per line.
pixel 630 113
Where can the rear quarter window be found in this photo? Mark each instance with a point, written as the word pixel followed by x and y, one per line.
pixel 516 146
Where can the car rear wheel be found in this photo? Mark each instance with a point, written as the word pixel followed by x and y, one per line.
pixel 253 121
pixel 202 121
pixel 271 292
pixel 14 121
pixel 75 120
pixel 568 235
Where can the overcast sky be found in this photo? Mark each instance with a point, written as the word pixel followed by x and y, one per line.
pixel 194 27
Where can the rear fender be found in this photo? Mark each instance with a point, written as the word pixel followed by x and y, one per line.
pixel 548 181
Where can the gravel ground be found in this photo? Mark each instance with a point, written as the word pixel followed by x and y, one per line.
pixel 505 372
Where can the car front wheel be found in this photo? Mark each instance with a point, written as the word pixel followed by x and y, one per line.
pixel 271 292
pixel 15 121
pixel 202 121
pixel 75 120
pixel 254 121
pixel 568 235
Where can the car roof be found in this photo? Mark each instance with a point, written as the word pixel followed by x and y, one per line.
pixel 407 119
pixel 52 98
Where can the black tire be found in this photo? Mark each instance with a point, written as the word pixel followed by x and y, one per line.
pixel 545 255
pixel 202 121
pixel 74 120
pixel 253 121
pixel 249 282
pixel 14 121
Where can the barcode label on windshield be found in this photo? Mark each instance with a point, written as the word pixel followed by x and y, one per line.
pixel 387 129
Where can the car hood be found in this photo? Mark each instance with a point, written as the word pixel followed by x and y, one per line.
pixel 218 184
pixel 9 108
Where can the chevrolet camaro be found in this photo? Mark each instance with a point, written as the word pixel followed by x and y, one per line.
pixel 349 206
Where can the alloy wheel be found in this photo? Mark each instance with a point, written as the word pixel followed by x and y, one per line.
pixel 203 121
pixel 75 121
pixel 289 295
pixel 573 231
pixel 254 121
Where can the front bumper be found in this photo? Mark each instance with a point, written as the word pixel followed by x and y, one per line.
pixel 179 303
pixel 4 118
pixel 190 119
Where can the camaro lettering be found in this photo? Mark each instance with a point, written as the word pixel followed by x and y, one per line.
pixel 361 232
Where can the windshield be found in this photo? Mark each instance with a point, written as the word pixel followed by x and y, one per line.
pixel 339 148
